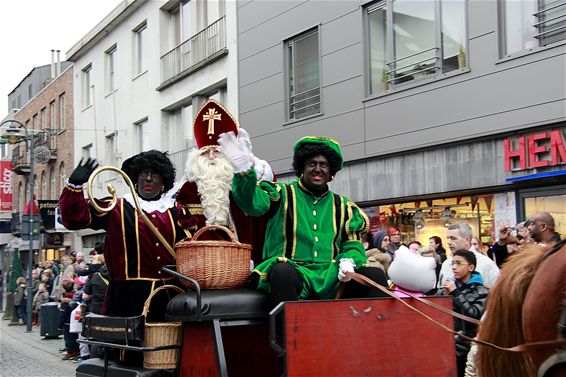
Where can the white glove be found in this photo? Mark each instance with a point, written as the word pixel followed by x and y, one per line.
pixel 346 265
pixel 238 153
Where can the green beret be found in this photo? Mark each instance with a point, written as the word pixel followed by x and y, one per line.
pixel 326 141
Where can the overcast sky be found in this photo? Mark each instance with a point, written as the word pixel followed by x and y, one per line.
pixel 30 29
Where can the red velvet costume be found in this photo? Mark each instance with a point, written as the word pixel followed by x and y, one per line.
pixel 134 258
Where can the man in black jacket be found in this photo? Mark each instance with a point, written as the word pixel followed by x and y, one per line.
pixel 468 297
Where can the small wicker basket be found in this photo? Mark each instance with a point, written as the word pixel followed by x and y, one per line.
pixel 215 264
pixel 159 334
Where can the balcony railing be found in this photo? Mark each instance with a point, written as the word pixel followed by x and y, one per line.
pixel 194 52
pixel 20 160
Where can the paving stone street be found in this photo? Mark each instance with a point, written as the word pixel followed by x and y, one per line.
pixel 29 355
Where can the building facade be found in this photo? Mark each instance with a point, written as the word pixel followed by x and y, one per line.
pixel 48 116
pixel 140 77
pixel 446 111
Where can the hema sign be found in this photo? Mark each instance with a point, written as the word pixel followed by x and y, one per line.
pixel 535 150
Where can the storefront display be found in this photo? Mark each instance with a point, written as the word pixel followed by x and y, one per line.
pixel 420 220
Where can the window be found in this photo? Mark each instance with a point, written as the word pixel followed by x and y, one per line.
pixel 179 136
pixel 110 155
pixel 219 95
pixel 30 91
pixel 141 130
pixel 110 56
pixel 87 98
pixel 43 118
pixel 53 125
pixel 140 49
pixel 532 23
pixel 62 175
pixel 53 182
pixel 21 198
pixel 86 151
pixel 52 115
pixel 303 74
pixel 34 124
pixel 62 123
pixel 43 193
pixel 413 40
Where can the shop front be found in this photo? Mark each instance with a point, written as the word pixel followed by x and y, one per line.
pixel 420 220
pixel 488 183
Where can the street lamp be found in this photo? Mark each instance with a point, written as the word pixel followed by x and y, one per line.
pixel 14 135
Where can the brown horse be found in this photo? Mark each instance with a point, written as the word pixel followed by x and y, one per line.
pixel 524 306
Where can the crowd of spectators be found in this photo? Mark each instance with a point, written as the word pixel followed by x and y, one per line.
pixel 74 280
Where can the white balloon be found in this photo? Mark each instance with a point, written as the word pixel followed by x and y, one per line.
pixel 412 271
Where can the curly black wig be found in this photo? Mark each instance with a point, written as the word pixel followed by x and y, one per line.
pixel 154 160
pixel 310 150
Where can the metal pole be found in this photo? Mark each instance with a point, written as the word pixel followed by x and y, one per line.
pixel 30 249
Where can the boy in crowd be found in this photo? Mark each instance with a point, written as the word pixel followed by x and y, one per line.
pixel 468 297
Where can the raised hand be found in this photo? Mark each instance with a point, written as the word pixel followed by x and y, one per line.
pixel 238 153
pixel 82 172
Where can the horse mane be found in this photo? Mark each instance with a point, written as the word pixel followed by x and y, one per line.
pixel 502 325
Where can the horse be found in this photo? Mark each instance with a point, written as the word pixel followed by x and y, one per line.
pixel 524 306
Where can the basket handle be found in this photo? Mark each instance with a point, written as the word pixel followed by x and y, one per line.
pixel 210 227
pixel 154 292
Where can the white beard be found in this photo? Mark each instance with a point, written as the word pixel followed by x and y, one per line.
pixel 214 182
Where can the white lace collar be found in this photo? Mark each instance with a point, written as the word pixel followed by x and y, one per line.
pixel 161 205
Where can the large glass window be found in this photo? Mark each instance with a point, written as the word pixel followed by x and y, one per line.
pixel 303 74
pixel 409 39
pixel 531 23
pixel 551 200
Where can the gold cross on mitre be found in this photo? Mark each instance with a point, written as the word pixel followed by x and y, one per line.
pixel 211 116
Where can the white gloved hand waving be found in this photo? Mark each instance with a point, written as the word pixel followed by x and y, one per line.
pixel 238 152
pixel 346 265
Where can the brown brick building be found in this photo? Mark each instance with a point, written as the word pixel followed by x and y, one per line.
pixel 49 116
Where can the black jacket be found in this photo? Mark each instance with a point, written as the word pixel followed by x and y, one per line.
pixel 96 287
pixel 468 299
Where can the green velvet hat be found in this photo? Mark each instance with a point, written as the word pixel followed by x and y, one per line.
pixel 326 141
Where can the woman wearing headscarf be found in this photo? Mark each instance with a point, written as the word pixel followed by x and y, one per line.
pixel 133 253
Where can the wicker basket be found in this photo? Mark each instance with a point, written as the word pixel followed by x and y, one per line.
pixel 159 334
pixel 214 264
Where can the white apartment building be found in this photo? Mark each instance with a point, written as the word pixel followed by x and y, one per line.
pixel 142 73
